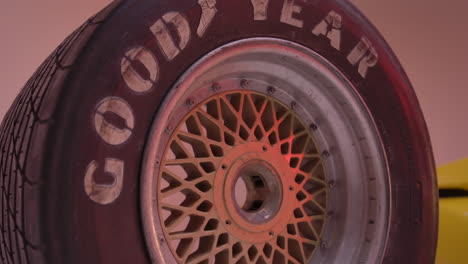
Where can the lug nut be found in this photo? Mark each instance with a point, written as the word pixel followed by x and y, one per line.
pixel 245 83
pixel 190 102
pixel 215 87
pixel 168 130
pixel 314 127
pixel 293 105
pixel 271 90
pixel 324 245
pixel 326 154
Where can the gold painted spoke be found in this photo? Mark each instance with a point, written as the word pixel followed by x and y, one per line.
pixel 316 166
pixel 312 200
pixel 270 132
pixel 309 197
pixel 182 161
pixel 262 110
pixel 222 127
pixel 239 254
pixel 287 255
pixel 195 234
pixel 218 123
pixel 185 185
pixel 304 149
pixel 301 155
pixel 302 239
pixel 199 125
pixel 184 149
pixel 292 137
pixel 257 257
pixel 208 255
pixel 185 210
pixel 308 220
pixel 207 141
pixel 308 177
pixel 227 103
pixel 301 247
pixel 235 112
pixel 258 113
pixel 319 191
pixel 238 257
pixel 187 252
pixel 278 122
pixel 172 175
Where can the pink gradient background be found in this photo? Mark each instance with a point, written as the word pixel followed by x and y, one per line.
pixel 429 37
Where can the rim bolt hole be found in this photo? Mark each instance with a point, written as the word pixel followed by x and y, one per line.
pixel 326 154
pixel 168 130
pixel 271 90
pixel 291 188
pixel 223 166
pixel 216 87
pixel 314 127
pixel 245 83
pixel 293 105
pixel 271 233
pixel 228 222
pixel 190 102
pixel 264 148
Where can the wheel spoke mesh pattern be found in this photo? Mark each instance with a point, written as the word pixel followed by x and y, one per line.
pixel 194 153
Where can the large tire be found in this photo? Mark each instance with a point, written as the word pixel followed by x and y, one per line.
pixel 80 144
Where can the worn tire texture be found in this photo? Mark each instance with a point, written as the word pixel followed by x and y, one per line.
pixel 22 132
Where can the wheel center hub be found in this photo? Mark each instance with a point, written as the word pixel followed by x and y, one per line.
pixel 257 192
pixel 248 191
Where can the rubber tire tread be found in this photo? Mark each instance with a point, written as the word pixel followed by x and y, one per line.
pixel 25 123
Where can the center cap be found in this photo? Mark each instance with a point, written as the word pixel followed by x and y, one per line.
pixel 257 192
pixel 250 188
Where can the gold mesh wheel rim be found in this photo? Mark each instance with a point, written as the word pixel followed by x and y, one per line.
pixel 191 225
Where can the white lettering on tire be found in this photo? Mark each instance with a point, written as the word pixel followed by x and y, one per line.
pixel 208 12
pixel 165 41
pixel 289 9
pixel 104 193
pixel 364 54
pixel 109 132
pixel 132 78
pixel 260 9
pixel 331 28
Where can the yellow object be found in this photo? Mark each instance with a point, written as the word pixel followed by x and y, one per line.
pixel 453 215
pixel 454 175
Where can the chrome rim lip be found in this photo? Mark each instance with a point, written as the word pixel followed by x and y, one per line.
pixel 156 246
